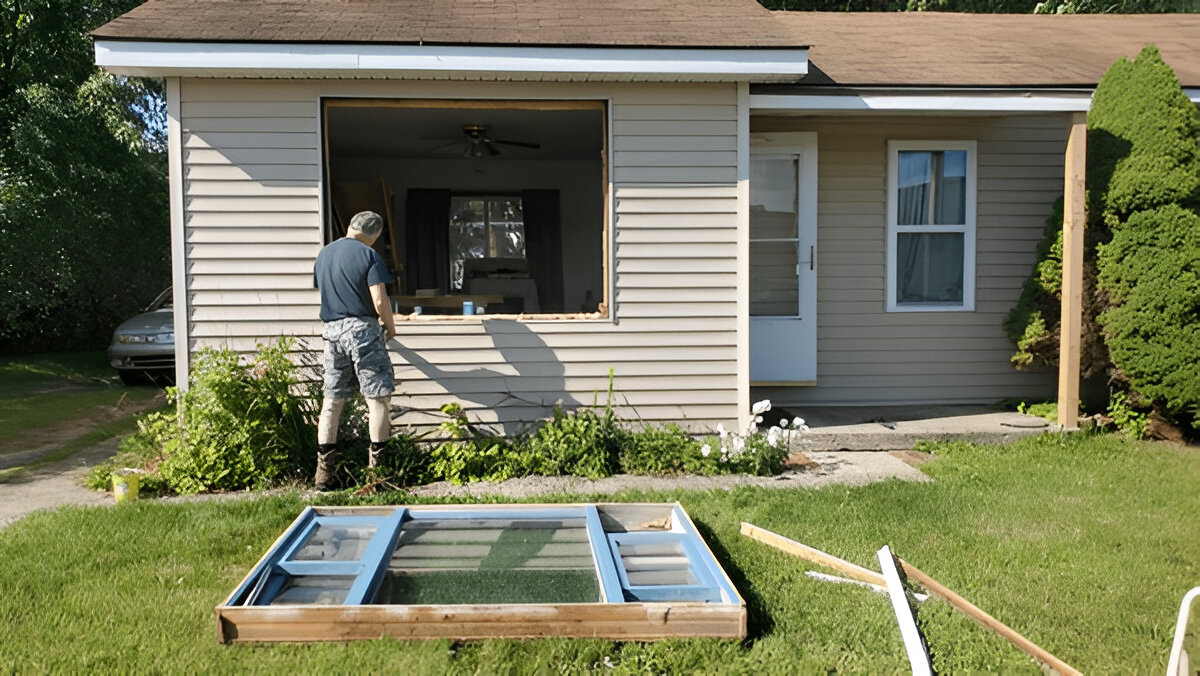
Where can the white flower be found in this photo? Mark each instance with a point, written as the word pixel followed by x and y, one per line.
pixel 721 431
pixel 705 450
pixel 798 424
pixel 773 436
pixel 761 407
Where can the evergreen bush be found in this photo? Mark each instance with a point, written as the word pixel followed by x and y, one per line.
pixel 1145 186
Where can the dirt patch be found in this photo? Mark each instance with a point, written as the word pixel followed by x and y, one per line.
pixel 913 458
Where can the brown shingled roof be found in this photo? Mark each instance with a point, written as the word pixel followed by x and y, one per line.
pixel 608 23
pixel 987 50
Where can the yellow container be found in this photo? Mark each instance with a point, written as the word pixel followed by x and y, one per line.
pixel 125 485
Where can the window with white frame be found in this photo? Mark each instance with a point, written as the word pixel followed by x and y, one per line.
pixel 931 226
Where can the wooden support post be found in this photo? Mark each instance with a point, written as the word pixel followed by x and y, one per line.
pixel 1071 321
pixel 815 555
pixel 989 622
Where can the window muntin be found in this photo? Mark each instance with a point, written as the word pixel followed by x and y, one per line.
pixel 931 225
pixel 484 227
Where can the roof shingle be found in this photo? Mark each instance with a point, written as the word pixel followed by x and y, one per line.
pixel 574 23
pixel 986 50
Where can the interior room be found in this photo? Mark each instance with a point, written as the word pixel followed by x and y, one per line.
pixel 492 207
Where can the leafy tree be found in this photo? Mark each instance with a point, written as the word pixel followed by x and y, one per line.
pixel 83 196
pixel 1145 189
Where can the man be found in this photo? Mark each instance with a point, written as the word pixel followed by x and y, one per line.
pixel 353 279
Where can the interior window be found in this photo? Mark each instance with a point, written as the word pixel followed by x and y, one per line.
pixel 931 225
pixel 484 227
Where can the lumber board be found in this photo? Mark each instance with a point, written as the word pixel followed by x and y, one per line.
pixel 1028 647
pixel 914 642
pixel 810 554
pixel 628 621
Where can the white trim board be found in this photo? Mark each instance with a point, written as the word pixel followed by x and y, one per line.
pixel 977 102
pixel 158 59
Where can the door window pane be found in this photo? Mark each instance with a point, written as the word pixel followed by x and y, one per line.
pixel 774 284
pixel 929 268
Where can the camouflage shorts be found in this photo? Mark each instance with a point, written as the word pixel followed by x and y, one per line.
pixel 356 359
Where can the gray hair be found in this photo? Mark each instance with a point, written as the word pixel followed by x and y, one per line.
pixel 367 222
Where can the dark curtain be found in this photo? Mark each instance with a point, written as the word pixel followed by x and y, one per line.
pixel 543 246
pixel 426 232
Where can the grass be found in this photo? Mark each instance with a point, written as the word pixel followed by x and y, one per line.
pixel 39 391
pixel 63 403
pixel 1084 543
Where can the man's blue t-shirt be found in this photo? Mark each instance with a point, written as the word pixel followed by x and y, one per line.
pixel 344 272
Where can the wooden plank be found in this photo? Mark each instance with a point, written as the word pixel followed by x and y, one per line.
pixel 914 642
pixel 1071 319
pixel 808 553
pixel 1007 633
pixel 622 621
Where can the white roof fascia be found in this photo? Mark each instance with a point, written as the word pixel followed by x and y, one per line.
pixel 965 101
pixel 159 59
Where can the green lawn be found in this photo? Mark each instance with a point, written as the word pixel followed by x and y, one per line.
pixel 1085 544
pixel 68 401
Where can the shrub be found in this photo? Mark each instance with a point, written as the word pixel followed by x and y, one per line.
pixel 1145 183
pixel 581 442
pixel 472 455
pixel 237 426
pixel 1151 271
pixel 662 450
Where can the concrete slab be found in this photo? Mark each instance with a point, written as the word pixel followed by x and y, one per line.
pixel 895 428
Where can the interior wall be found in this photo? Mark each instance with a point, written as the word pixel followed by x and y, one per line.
pixel 578 183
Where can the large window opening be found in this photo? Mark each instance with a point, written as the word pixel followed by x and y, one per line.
pixel 490 207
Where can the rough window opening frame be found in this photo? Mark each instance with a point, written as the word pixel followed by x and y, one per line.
pixel 968 229
pixel 708 606
pixel 601 104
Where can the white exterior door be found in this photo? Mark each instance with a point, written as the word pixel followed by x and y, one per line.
pixel 783 259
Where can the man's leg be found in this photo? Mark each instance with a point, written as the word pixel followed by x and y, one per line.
pixel 379 416
pixel 339 384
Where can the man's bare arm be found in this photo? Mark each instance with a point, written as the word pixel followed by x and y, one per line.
pixel 383 305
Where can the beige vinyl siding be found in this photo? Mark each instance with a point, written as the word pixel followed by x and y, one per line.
pixel 253 226
pixel 866 355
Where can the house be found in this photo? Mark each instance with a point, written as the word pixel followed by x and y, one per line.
pixel 713 205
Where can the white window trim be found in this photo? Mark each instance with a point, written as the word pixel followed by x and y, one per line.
pixel 968 229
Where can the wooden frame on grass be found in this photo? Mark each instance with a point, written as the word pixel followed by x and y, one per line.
pixel 654 575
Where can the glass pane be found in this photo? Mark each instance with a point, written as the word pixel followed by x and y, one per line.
pixel 773 198
pixel 491 561
pixel 929 268
pixel 484 227
pixel 506 228
pixel 335 543
pixel 323 590
pixel 931 187
pixel 468 234
pixel 774 286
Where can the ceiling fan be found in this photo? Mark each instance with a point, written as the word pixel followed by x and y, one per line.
pixel 478 142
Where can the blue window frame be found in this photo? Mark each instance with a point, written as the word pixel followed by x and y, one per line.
pixel 344 559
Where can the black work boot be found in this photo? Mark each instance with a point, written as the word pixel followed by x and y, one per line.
pixel 375 453
pixel 327 461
